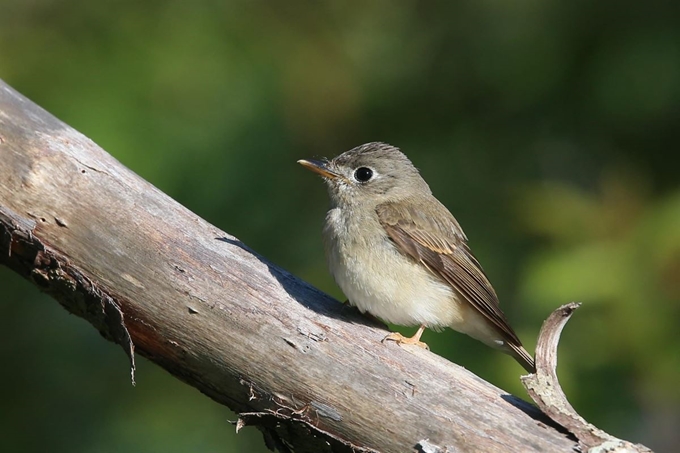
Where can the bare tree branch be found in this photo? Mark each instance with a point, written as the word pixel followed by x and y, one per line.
pixel 158 280
pixel 544 388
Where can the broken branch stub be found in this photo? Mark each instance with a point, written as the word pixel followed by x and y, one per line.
pixel 544 388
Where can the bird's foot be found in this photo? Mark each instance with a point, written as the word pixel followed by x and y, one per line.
pixel 400 339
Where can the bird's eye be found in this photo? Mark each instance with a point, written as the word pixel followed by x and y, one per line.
pixel 363 174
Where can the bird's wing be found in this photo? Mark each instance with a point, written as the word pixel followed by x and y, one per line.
pixel 439 243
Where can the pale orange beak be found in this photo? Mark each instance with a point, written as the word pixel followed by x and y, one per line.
pixel 319 167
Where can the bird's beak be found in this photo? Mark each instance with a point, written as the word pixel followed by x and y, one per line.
pixel 319 167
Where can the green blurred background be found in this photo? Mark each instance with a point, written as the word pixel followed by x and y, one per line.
pixel 550 129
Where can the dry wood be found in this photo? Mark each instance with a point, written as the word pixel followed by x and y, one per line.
pixel 155 278
pixel 544 388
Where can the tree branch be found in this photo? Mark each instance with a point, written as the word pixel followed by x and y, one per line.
pixel 544 388
pixel 158 280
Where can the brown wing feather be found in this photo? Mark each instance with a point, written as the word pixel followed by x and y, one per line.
pixel 441 246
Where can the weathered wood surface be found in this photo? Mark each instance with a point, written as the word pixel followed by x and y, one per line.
pixel 152 276
pixel 545 389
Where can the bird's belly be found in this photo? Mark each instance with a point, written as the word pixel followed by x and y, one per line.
pixel 397 289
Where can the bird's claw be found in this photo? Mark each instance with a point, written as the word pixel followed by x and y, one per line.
pixel 400 339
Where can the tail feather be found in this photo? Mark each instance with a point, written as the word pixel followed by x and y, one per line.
pixel 522 356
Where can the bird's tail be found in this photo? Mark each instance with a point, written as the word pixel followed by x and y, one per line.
pixel 522 356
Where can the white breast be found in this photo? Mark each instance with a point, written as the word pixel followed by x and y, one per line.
pixel 380 280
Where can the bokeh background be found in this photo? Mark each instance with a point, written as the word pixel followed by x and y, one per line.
pixel 550 129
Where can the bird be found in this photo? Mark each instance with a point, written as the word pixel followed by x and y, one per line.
pixel 398 254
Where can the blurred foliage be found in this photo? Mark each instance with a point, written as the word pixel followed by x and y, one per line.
pixel 549 129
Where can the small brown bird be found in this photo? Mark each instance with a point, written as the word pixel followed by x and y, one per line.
pixel 398 253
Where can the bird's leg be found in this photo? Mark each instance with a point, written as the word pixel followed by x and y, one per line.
pixel 414 340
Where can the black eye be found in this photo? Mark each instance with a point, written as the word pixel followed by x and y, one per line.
pixel 363 174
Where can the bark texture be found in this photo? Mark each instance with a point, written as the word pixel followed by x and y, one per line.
pixel 158 280
pixel 545 389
